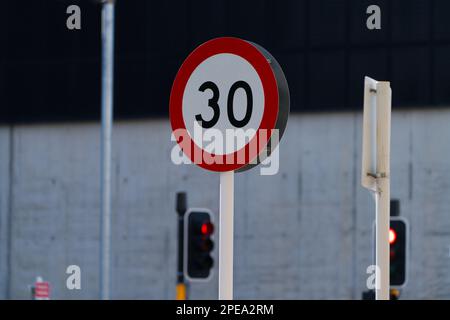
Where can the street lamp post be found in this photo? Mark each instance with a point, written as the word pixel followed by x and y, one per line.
pixel 106 132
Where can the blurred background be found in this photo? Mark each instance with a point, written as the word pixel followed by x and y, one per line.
pixel 305 233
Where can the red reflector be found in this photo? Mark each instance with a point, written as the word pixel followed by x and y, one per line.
pixel 207 228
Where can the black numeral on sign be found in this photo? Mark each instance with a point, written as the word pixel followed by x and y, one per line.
pixel 212 103
pixel 248 113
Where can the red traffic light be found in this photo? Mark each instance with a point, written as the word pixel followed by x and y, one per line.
pixel 207 228
pixel 392 236
pixel 199 244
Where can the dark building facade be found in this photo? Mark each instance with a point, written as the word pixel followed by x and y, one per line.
pixel 48 72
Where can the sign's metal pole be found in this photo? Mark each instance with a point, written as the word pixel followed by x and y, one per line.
pixel 106 132
pixel 382 235
pixel 383 188
pixel 375 173
pixel 226 235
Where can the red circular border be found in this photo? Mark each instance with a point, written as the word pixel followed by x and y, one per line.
pixel 250 53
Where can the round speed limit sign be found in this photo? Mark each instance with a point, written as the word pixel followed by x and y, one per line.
pixel 228 101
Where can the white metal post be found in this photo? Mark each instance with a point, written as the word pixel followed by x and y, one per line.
pixel 382 205
pixel 383 104
pixel 106 132
pixel 375 174
pixel 226 235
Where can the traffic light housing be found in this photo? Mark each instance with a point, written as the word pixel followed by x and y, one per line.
pixel 199 244
pixel 398 251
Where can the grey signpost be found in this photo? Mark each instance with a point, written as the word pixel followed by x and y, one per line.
pixel 106 132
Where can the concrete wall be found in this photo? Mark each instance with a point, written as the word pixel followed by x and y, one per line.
pixel 303 233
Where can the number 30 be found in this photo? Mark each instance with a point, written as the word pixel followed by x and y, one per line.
pixel 212 103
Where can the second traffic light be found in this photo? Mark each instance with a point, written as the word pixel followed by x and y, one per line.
pixel 198 244
pixel 398 251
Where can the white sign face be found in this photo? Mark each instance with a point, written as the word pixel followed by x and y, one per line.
pixel 224 92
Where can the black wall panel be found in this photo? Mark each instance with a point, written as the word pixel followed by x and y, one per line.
pixel 440 19
pixel 410 20
pixel 327 19
pixel 326 72
pixel 411 82
pixel 48 72
pixel 288 25
pixel 441 75
pixel 206 20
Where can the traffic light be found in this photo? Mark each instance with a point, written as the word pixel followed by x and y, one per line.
pixel 398 251
pixel 199 229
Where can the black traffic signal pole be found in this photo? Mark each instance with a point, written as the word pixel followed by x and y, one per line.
pixel 181 208
pixel 395 208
